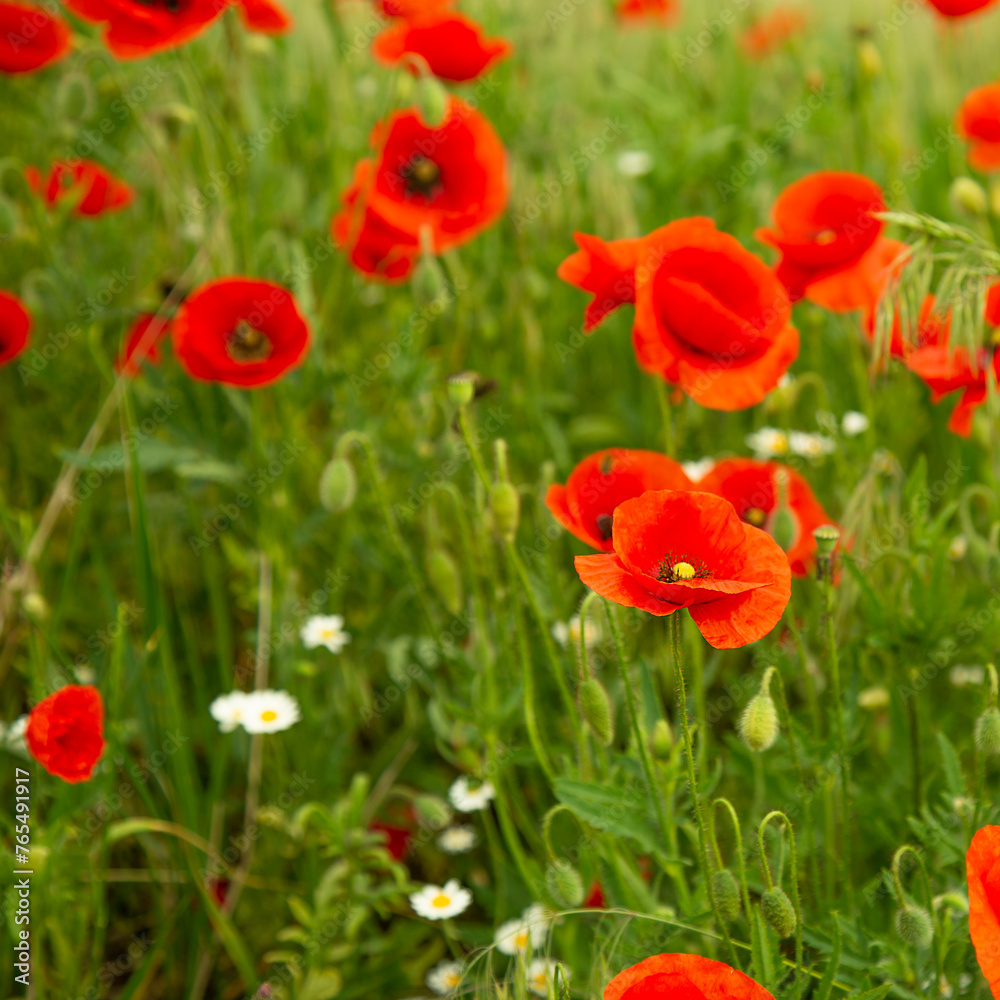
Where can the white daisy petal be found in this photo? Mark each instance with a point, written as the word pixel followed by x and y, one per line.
pixel 436 902
pixel 228 710
pixel 854 423
pixel 768 442
pixel 445 978
pixel 325 630
pixel 513 937
pixel 467 799
pixel 697 470
pixel 269 711
pixel 541 972
pixel 457 839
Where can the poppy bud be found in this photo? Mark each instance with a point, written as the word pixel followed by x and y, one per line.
pixel 783 528
pixel 462 388
pixel 662 741
pixel 958 547
pixel 431 100
pixel 914 926
pixel 968 196
pixel 428 282
pixel 564 884
pixel 758 725
pixel 869 59
pixel 35 605
pixel 432 811
pixel 445 579
pixel 595 706
pixel 338 485
pixel 827 536
pixel 506 506
pixel 778 911
pixel 988 732
pixel 726 893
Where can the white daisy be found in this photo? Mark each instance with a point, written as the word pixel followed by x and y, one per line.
pixel 467 799
pixel 810 445
pixel 568 633
pixel 513 937
pixel 269 711
pixel 445 978
pixel 696 471
pixel 538 919
pixel 325 630
pixel 854 423
pixel 457 839
pixel 768 442
pixel 873 698
pixel 634 163
pixel 436 902
pixel 15 734
pixel 541 972
pixel 961 675
pixel 228 710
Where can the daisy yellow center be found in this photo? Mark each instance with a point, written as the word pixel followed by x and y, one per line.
pixel 521 940
pixel 755 516
pixel 441 901
pixel 268 716
pixel 247 344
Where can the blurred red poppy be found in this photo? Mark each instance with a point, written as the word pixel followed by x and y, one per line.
pixel 409 8
pixel 65 732
pixel 92 188
pixel 239 331
pixel 594 489
pixel 771 31
pixel 15 326
pixel 448 183
pixel 676 549
pixel 978 120
pixel 607 269
pixel 30 39
pixel 710 316
pixel 266 16
pixel 823 226
pixel 982 865
pixel 665 11
pixel 595 898
pixel 751 488
pixel 685 977
pixel 453 46
pixel 930 329
pixel 136 336
pixel 397 838
pixel 959 8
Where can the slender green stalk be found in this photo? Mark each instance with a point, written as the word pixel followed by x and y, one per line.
pixel 800 975
pixel 740 857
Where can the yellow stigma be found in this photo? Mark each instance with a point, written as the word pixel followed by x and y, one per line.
pixel 683 571
pixel 268 716
pixel 441 901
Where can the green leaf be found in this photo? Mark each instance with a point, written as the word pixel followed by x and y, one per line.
pixel 953 776
pixel 876 994
pixel 617 811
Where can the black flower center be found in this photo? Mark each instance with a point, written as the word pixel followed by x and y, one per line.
pixel 247 344
pixel 422 176
pixel 604 522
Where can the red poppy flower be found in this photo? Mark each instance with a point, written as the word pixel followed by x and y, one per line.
pixel 982 865
pixel 453 46
pixel 65 732
pixel 664 11
pixel 675 549
pixel 959 8
pixel 710 316
pixel 946 370
pixel 449 183
pixel 686 977
pixel 239 331
pixel 15 325
pixel 93 189
pixel 137 335
pixel 595 898
pixel 265 16
pixel 409 8
pixel 30 39
pixel 397 838
pixel 978 120
pixel 601 482
pixel 823 225
pixel 750 487
pixel 605 269
pixel 931 330
pixel 771 31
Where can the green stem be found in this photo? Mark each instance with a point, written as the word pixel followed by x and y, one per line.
pixel 800 974
pixel 740 858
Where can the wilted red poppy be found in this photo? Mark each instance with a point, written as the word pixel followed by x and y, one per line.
pixel 453 46
pixel 15 325
pixel 409 8
pixel 686 977
pixel 136 336
pixel 601 482
pixel 30 39
pixel 239 331
pixel 751 488
pixel 978 120
pixel 771 31
pixel 710 316
pixel 823 225
pixel 982 866
pixel 665 11
pixel 449 183
pixel 676 549
pixel 607 269
pixel 959 8
pixel 92 188
pixel 65 732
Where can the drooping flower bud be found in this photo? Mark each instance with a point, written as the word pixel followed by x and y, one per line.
pixel 338 485
pixel 432 811
pixel 726 893
pixel 445 578
pixel 506 506
pixel 914 926
pixel 777 910
pixel 987 732
pixel 758 725
pixel 564 884
pixel 595 706
pixel 783 526
pixel 662 740
pixel 968 196
pixel 431 100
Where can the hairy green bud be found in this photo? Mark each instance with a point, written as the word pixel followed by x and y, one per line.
pixel 564 884
pixel 726 893
pixel 758 725
pixel 987 732
pixel 445 579
pixel 662 740
pixel 914 926
pixel 595 706
pixel 338 485
pixel 506 506
pixel 778 911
